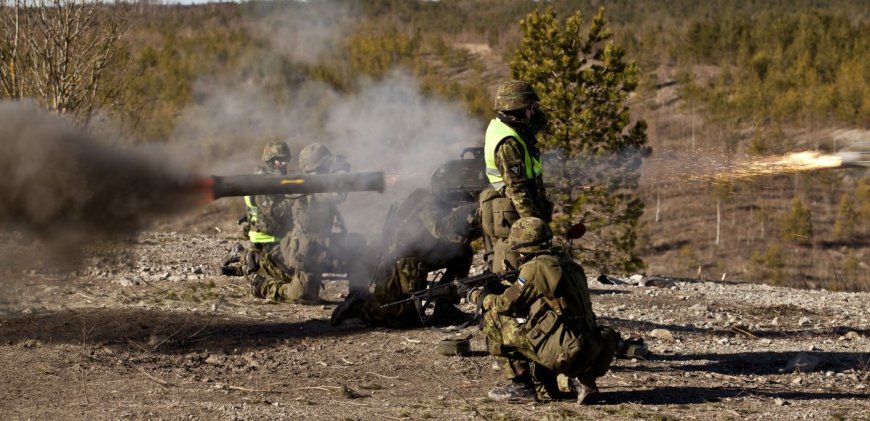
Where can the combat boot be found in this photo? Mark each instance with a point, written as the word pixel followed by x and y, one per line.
pixel 231 265
pixel 517 391
pixel 257 282
pixel 234 254
pixel 587 391
pixel 350 307
pixel 446 314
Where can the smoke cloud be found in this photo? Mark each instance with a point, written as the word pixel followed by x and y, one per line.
pixel 389 125
pixel 304 32
pixel 65 187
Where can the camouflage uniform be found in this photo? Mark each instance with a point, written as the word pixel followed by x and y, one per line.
pixel 313 248
pixel 269 218
pixel 430 234
pixel 514 169
pixel 546 318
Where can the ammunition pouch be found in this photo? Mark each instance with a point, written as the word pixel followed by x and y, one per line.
pixel 497 214
pixel 556 345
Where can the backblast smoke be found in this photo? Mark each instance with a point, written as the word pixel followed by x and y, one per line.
pixel 62 185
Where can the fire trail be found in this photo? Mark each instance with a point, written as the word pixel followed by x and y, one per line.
pixel 791 163
pixel 676 168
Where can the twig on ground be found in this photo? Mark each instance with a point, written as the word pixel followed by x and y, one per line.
pixel 214 310
pixel 87 297
pixel 740 330
pixel 136 344
pixel 354 403
pixel 207 322
pixel 245 389
pixel 381 375
pixel 473 407
pixel 155 379
pixel 323 388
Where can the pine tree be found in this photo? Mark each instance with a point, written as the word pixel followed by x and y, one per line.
pixel 846 224
pixel 797 226
pixel 584 81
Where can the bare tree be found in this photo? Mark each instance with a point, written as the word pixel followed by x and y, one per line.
pixel 59 52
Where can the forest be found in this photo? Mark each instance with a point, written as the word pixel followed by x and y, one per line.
pixel 725 79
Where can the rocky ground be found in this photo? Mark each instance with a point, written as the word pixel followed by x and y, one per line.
pixel 149 329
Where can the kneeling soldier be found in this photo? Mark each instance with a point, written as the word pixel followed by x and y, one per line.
pixel 544 320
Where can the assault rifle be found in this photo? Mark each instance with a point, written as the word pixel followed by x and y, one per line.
pixel 423 297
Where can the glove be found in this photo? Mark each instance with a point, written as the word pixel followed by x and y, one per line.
pixel 478 297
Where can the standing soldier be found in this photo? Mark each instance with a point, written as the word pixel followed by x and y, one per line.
pixel 513 166
pixel 268 219
pixel 314 248
pixel 544 320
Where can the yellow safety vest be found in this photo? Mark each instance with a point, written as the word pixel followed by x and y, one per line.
pixel 253 214
pixel 495 133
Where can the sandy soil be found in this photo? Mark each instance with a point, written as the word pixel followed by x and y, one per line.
pixel 148 329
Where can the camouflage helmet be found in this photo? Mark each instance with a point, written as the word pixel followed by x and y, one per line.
pixel 313 156
pixel 529 234
pixel 514 95
pixel 276 150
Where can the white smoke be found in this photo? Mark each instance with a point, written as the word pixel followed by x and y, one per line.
pixel 305 32
pixel 388 125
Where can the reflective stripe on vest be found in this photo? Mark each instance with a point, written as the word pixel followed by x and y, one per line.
pixel 495 133
pixel 253 235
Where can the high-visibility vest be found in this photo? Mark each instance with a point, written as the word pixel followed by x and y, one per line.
pixel 495 133
pixel 254 235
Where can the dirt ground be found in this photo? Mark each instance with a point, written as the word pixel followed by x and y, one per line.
pixel 149 329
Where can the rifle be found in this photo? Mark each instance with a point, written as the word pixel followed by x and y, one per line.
pixel 421 298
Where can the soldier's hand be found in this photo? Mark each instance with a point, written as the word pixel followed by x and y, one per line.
pixel 477 296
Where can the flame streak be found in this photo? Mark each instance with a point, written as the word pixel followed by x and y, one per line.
pixel 791 163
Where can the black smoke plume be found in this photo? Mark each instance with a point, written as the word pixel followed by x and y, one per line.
pixel 65 187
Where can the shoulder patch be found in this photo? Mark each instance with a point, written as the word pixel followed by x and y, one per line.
pixel 515 170
pixel 521 281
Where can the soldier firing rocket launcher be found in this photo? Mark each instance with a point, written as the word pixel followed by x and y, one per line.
pixel 215 187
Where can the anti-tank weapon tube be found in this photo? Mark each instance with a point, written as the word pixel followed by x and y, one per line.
pixel 258 184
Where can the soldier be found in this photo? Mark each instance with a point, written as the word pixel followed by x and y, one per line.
pixel 513 166
pixel 268 219
pixel 314 248
pixel 430 233
pixel 544 320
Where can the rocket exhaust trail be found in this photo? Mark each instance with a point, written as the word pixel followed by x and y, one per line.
pixel 677 168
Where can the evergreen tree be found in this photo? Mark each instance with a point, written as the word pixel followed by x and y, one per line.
pixel 797 226
pixel 846 224
pixel 584 81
